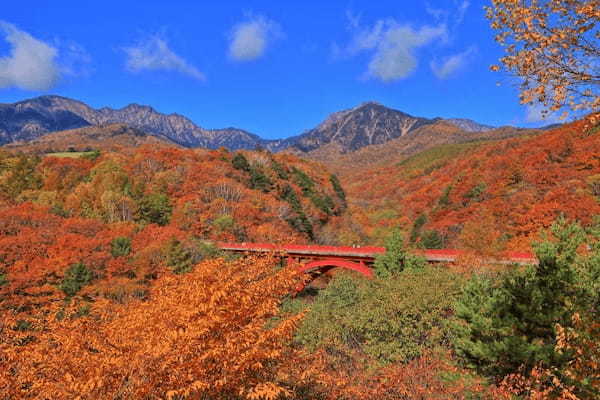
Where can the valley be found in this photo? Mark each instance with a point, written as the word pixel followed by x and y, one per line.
pixel 365 201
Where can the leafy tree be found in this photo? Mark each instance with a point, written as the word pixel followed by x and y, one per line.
pixel 396 258
pixel 509 326
pixel 213 342
pixel 553 45
pixel 120 246
pixel 390 320
pixel 155 208
pixel 23 176
pixel 224 223
pixel 76 277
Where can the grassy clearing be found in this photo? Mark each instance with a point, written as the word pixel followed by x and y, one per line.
pixel 436 157
pixel 70 154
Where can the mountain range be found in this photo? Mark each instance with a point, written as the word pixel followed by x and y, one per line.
pixel 347 131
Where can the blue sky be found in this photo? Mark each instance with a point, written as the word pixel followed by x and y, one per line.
pixel 274 68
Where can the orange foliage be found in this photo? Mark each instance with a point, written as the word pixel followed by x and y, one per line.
pixel 523 184
pixel 204 334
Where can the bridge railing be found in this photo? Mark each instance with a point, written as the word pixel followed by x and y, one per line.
pixel 368 253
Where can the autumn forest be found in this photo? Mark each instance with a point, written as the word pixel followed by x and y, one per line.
pixel 115 283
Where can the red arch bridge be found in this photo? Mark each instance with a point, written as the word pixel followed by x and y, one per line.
pixel 312 258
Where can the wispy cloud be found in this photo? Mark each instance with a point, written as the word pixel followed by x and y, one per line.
pixel 75 61
pixel 436 13
pixel 249 39
pixel 31 64
pixel 463 6
pixel 153 53
pixel 392 46
pixel 450 65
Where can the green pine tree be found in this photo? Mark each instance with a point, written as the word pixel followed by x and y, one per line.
pixel 396 258
pixel 507 325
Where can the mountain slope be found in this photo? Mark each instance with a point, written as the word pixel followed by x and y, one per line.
pixel 419 139
pixel 347 131
pixel 369 123
pixel 98 137
pixel 30 119
pixel 480 195
pixel 469 125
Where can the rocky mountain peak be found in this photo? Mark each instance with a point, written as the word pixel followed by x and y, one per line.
pixel 366 124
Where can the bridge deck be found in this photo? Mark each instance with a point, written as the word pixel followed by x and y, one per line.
pixel 367 253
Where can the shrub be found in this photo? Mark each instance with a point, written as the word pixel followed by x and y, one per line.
pixel 432 240
pixel 396 258
pixel 509 326
pixel 416 229
pixel 224 223
pixel 240 162
pixel 23 325
pixel 390 320
pixel 444 200
pixel 76 277
pixel 120 247
pixel 3 280
pixel 91 155
pixel 476 192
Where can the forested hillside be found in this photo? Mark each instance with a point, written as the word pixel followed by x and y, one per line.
pixel 480 195
pixel 119 220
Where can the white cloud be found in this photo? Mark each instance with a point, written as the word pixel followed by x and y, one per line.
pixel 154 53
pixel 451 65
pixel 31 65
pixel 462 10
pixel 250 39
pixel 392 47
pixel 534 114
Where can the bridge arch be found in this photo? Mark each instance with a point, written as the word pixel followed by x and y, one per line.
pixel 354 266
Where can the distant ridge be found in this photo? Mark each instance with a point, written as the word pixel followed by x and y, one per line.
pixel 368 124
pixel 30 119
pixel 110 137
